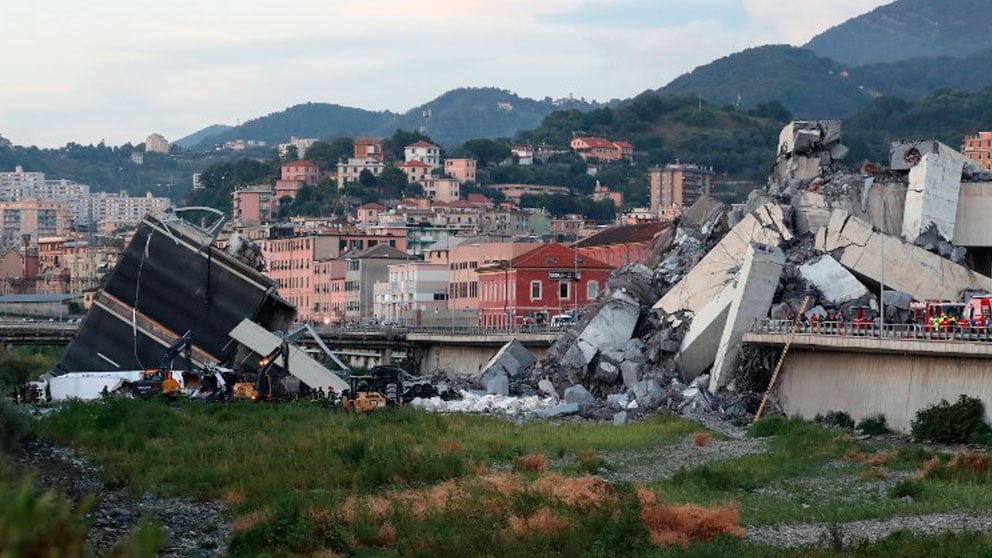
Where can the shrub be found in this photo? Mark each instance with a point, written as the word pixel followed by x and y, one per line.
pixel 956 423
pixel 873 426
pixel 39 524
pixel 680 524
pixel 13 425
pixel 701 439
pixel 768 426
pixel 907 487
pixel 590 461
pixel 966 467
pixel 835 418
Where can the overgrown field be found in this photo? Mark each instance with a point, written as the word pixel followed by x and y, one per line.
pixel 300 479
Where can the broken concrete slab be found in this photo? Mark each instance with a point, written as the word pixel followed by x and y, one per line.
pixel 755 288
pixel 932 196
pixel 647 393
pixel 513 360
pixel 498 384
pixel 699 346
pixel 808 136
pixel 708 277
pixel 811 212
pixel 907 268
pixel 837 285
pixel 620 419
pixel 560 410
pixel 904 155
pixel 579 395
pixel 547 387
pixel 630 372
pixel 611 328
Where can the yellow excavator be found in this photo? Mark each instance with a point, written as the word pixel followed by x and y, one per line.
pixel 161 381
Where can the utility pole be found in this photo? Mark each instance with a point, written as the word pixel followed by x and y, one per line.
pixel 881 287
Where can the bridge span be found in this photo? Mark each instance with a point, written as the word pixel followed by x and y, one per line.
pixel 464 349
pixel 864 369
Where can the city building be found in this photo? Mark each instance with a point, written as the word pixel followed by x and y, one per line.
pixel 363 270
pixel 621 245
pixel 423 151
pixel 197 183
pixel 303 171
pixel 301 145
pixel 156 143
pixel 369 148
pixel 589 147
pixel 516 191
pixel 368 213
pixel 104 206
pixel 467 255
pixel 415 292
pixel 19 185
pixel 254 204
pixel 351 171
pixel 442 189
pixel 416 172
pixel 535 286
pixel 978 148
pixel 675 187
pixel 462 170
pixel 601 193
pixel 24 222
pixel 328 296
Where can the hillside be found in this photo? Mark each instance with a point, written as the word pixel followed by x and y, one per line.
pixel 456 116
pixel 196 137
pixel 946 115
pixel 808 85
pixel 909 29
pixel 309 120
pixel 922 76
pixel 666 129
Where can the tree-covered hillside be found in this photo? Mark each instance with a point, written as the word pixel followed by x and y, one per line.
pixel 909 29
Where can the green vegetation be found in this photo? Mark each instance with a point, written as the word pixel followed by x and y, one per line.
pixel 839 419
pixel 22 364
pixel 873 426
pixel 957 423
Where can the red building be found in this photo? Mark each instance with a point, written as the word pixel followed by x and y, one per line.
pixel 369 148
pixel 621 245
pixel 539 284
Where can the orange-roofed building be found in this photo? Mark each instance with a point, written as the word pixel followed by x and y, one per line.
pixel 304 171
pixel 417 172
pixel 589 147
pixel 369 148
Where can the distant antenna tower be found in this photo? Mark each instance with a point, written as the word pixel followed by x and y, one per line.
pixel 428 113
pixel 737 105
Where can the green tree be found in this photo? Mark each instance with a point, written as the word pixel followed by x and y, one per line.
pixel 367 179
pixel 327 155
pixel 487 151
pixel 394 145
pixel 291 154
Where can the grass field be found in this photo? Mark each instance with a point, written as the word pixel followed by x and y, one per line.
pixel 301 480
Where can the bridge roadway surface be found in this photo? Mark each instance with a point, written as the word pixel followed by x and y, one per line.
pixel 903 339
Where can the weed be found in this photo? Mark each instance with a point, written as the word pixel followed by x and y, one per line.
pixel 928 465
pixel 956 423
pixel 870 459
pixel 701 439
pixel 873 426
pixel 767 426
pixel 839 419
pixel 680 524
pixel 534 462
pixel 36 523
pixel 589 461
pixel 965 467
pixel 907 487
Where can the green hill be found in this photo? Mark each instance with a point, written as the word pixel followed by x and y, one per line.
pixel 808 85
pixel 922 76
pixel 909 29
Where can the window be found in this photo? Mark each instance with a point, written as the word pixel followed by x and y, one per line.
pixel 563 290
pixel 592 290
pixel 535 290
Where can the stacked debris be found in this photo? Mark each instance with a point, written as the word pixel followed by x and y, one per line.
pixel 670 336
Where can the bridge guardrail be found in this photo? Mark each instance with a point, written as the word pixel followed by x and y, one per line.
pixel 916 332
pixel 456 331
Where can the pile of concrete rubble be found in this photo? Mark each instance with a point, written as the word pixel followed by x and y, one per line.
pixel 669 336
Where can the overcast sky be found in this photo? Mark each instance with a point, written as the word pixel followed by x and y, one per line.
pixel 118 70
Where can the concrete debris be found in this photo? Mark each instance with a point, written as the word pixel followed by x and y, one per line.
pixel 620 418
pixel 700 344
pixel 579 395
pixel 753 294
pixel 932 241
pixel 835 284
pixel 807 150
pixel 932 197
pixel 560 410
pixel 499 384
pixel 513 362
pixel 907 268
pixel 473 402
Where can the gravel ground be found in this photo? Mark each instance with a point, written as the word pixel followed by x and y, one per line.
pixel 808 534
pixel 191 529
pixel 661 463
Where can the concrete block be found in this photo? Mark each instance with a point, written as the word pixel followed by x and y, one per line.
pixel 612 326
pixel 812 212
pixel 712 273
pixel 620 419
pixel 699 346
pixel 579 395
pixel 630 372
pixel 904 155
pixel 837 285
pixel 618 400
pixel 972 226
pixel 755 288
pixel 513 360
pixel 560 410
pixel 498 385
pixel 547 387
pixel 932 196
pixel 907 268
pixel 647 393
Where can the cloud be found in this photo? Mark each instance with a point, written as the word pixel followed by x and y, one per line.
pixel 797 21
